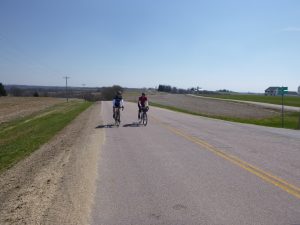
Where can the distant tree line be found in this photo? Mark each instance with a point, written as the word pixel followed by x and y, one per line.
pixel 108 93
pixel 224 91
pixel 192 90
pixel 170 89
pixel 89 94
pixel 21 92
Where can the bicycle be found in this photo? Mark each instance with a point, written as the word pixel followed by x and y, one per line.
pixel 143 116
pixel 118 116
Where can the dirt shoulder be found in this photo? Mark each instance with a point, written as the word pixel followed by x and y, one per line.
pixel 55 185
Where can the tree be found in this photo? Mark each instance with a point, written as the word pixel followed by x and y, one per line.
pixel 15 91
pixel 36 94
pixel 164 88
pixel 160 88
pixel 108 93
pixel 2 90
pixel 174 90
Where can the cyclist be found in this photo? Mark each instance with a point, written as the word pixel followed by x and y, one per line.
pixel 142 103
pixel 117 102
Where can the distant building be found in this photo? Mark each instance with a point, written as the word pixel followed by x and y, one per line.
pixel 272 91
pixel 299 90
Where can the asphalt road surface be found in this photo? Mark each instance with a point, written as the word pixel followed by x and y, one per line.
pixel 184 170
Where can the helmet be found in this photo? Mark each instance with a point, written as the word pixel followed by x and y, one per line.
pixel 119 93
pixel 143 94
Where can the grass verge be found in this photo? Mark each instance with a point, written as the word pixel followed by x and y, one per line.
pixel 21 137
pixel 291 120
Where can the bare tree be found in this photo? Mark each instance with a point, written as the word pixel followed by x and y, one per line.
pixel 108 93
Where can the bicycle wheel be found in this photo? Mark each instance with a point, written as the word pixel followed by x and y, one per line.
pixel 145 118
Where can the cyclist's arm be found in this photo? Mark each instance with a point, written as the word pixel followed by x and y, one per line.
pixel 139 102
pixel 113 102
pixel 122 103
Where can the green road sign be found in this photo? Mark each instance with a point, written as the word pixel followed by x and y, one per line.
pixel 282 90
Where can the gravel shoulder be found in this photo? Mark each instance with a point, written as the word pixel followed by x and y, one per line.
pixel 55 184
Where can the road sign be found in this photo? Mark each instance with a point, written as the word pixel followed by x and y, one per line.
pixel 282 90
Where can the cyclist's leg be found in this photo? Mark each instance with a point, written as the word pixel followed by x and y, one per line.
pixel 145 118
pixel 139 113
pixel 119 115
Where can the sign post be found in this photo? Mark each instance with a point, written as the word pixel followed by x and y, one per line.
pixel 282 91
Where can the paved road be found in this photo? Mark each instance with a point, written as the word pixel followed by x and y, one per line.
pixel 183 169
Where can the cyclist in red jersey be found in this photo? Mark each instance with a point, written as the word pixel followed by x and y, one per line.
pixel 142 103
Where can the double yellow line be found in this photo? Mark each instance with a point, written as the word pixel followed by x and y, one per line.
pixel 284 185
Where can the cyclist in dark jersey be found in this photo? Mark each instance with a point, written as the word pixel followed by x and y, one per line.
pixel 118 102
pixel 142 103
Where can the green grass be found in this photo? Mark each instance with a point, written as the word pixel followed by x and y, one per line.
pixel 288 100
pixel 19 138
pixel 291 120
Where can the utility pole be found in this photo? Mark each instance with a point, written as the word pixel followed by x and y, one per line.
pixel 282 110
pixel 83 85
pixel 66 77
pixel 282 91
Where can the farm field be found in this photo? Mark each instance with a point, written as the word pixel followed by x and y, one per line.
pixel 18 107
pixel 288 100
pixel 213 107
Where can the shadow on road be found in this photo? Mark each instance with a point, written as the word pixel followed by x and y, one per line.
pixel 105 126
pixel 133 124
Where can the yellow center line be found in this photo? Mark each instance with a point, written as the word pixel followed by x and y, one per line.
pixel 268 177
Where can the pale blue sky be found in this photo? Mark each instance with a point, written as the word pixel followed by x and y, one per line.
pixel 238 45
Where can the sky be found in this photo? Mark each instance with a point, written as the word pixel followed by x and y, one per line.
pixel 238 45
